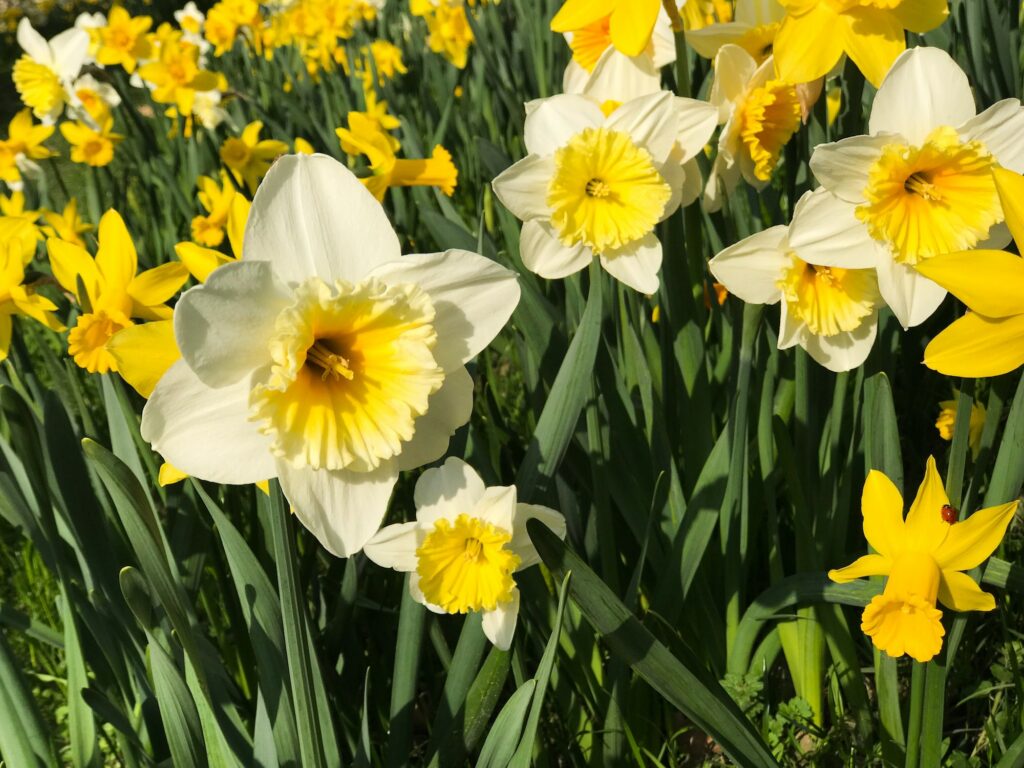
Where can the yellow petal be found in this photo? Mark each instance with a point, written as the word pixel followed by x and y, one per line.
pixel 968 543
pixel 961 593
pixel 198 260
pixel 155 286
pixel 169 474
pixel 1010 187
pixel 144 353
pixel 922 15
pixel 237 217
pixel 631 25
pixel 873 38
pixel 925 529
pixel 868 565
pixel 5 336
pixel 808 46
pixel 116 258
pixel 68 261
pixel 976 347
pixel 882 507
pixel 989 282
pixel 576 14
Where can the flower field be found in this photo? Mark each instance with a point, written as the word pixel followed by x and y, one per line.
pixel 534 382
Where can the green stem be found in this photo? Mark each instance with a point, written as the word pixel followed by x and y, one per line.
pixel 917 685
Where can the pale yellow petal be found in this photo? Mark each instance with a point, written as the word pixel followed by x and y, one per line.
pixel 808 46
pixel 156 286
pixel 882 507
pixel 976 347
pixel 925 529
pixel 116 257
pixel 873 38
pixel 868 565
pixel 631 25
pixel 922 15
pixel 199 261
pixel 144 353
pixel 68 261
pixel 969 542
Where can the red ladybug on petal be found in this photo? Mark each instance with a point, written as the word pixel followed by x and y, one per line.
pixel 949 513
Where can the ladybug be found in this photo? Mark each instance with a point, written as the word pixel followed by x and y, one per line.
pixel 949 514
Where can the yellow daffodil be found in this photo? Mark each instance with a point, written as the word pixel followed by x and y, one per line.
pixel 302 146
pixel 216 200
pixel 919 185
pixel 630 22
pixel 361 138
pixel 18 225
pixel 946 423
pixel 67 225
pixel 816 33
pixel 449 32
pixel 43 74
pixel 988 340
pixel 465 546
pixel 325 358
pixel 19 299
pixel 113 293
pixel 387 60
pixel 89 145
pixel 700 14
pixel 123 41
pixel 924 558
pixel 177 76
pixel 92 101
pixel 248 157
pixel 753 28
pixel 24 143
pixel 201 261
pixel 227 19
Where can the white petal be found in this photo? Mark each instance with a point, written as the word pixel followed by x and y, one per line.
pixel 663 42
pixel 924 89
pixel 418 596
pixel 1000 128
pixel 557 119
pixel 33 43
pixel 651 120
pixel 311 217
pixel 206 432
pixel 675 176
pixel 497 506
pixel 911 296
pixel 574 80
pixel 447 410
pixel 842 167
pixel 521 543
pixel 709 40
pixel 844 351
pixel 734 68
pixel 223 327
pixel 636 264
pixel 617 77
pixel 751 269
pixel 523 187
pixel 394 546
pixel 343 509
pixel 826 231
pixel 692 183
pixel 697 121
pixel 70 49
pixel 543 253
pixel 500 624
pixel 452 488
pixel 473 298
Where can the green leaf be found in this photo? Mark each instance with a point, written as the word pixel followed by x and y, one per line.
pixel 411 616
pixel 81 724
pixel 23 742
pixel 177 709
pixel 501 743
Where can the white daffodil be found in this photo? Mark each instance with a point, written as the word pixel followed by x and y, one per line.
pixel 829 311
pixel 919 185
pixel 759 114
pixel 753 29
pixel 593 45
pixel 90 101
pixel 466 544
pixel 596 186
pixel 44 72
pixel 324 357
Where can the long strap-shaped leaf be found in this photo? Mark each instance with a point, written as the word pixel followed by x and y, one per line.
pixel 681 682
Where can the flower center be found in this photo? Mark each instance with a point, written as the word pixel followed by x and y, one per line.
pixel 936 198
pixel 904 619
pixel 829 300
pixel 235 153
pixel 87 341
pixel 589 43
pixel 759 41
pixel 606 191
pixel 352 370
pixel 463 565
pixel 768 118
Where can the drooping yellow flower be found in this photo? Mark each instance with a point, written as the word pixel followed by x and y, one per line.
pixel 946 423
pixel 67 225
pixel 438 170
pixel 248 157
pixel 24 142
pixel 123 40
pixel 89 145
pixel 630 22
pixel 988 340
pixel 216 199
pixel 177 76
pixel 19 299
pixel 924 557
pixel 815 33
pixel 113 294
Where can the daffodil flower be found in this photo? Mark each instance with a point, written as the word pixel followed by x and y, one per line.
pixel 630 22
pixel 946 423
pixel 122 42
pixel 924 558
pixel 760 114
pixel 176 76
pixel 464 548
pixel 19 299
pixel 202 261
pixel 988 340
pixel 18 225
pixel 596 186
pixel 45 71
pixel 324 358
pixel 918 186
pixel 23 145
pixel 66 225
pixel 753 28
pixel 216 200
pixel 89 145
pixel 113 294
pixel 248 157
pixel 831 312
pixel 816 33
pixel 449 33
pixel 92 101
